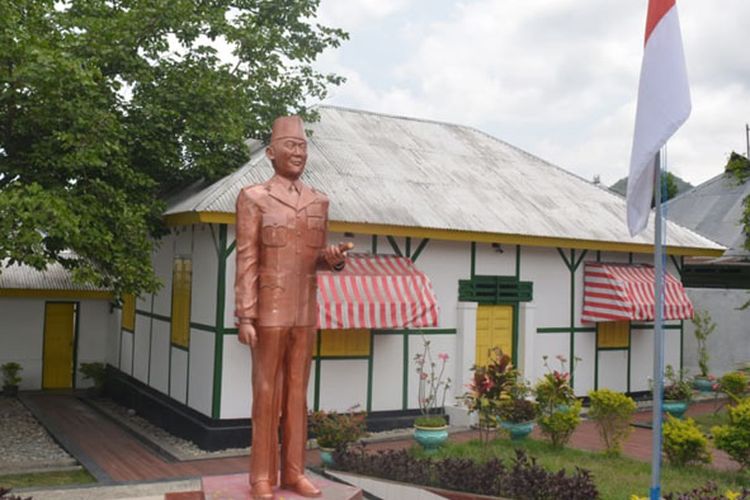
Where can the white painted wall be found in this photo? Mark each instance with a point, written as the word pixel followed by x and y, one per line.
pixel 93 318
pixel 142 341
pixel 236 393
pixel 546 269
pixel 200 388
pixel 205 269
pixel 126 352
pixel 729 345
pixel 343 384
pixel 387 372
pixel 163 259
pixel 160 347
pixel 22 337
pixel 445 262
pixel 178 375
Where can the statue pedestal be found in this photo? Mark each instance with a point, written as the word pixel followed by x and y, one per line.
pixel 237 487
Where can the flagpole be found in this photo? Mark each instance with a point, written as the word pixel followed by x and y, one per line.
pixel 658 391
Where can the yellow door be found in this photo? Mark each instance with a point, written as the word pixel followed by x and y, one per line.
pixel 59 331
pixel 494 329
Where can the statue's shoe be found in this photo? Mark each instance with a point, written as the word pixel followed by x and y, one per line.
pixel 303 487
pixel 261 491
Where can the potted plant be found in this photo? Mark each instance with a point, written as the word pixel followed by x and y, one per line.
pixel 97 373
pixel 559 409
pixel 678 392
pixel 11 378
pixel 335 430
pixel 704 327
pixel 431 428
pixel 490 385
pixel 517 416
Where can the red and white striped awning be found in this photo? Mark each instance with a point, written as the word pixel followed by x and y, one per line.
pixel 376 291
pixel 617 292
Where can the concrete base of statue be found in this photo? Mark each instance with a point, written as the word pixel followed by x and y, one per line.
pixel 237 487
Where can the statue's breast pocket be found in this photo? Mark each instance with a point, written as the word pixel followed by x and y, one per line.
pixel 274 232
pixel 316 226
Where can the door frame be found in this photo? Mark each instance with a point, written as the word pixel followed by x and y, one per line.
pixel 76 326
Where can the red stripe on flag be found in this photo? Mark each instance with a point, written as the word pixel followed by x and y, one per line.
pixel 656 11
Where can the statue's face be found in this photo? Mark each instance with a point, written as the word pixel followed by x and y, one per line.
pixel 288 156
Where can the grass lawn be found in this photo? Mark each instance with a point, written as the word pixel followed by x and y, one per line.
pixel 708 420
pixel 615 477
pixel 54 478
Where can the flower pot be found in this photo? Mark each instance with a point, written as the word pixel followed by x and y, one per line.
pixel 703 384
pixel 326 456
pixel 517 430
pixel 431 438
pixel 675 408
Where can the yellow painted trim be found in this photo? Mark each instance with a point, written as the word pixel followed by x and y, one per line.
pixel 55 294
pixel 187 218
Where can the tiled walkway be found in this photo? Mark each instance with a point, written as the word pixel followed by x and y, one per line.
pixel 114 455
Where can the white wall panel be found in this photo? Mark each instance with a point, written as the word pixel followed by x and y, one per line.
pixel 200 388
pixel 22 337
pixel 550 345
pixel 229 284
pixel 585 348
pixel 126 352
pixel 546 269
pixel 613 370
pixel 113 337
pixel 162 259
pixel 159 375
pixel 439 344
pixel 444 263
pixel 178 375
pixel 642 359
pixel 142 346
pixel 236 388
pixel 205 269
pixel 93 324
pixel 387 372
pixel 343 384
pixel 490 261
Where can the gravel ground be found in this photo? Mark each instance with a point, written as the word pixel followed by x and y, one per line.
pixel 24 443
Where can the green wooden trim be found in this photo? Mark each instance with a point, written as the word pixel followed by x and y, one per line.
pixel 231 331
pixel 230 248
pixel 202 327
pixel 650 326
pixel 485 289
pixel 568 264
pixel 514 338
pixel 219 331
pixel 178 346
pixel 341 358
pixel 630 355
pixel 567 329
pixel 405 331
pixel 572 315
pixel 630 257
pixel 153 315
pixel 374 244
pixel 394 245
pixel 370 362
pixel 518 262
pixel 599 349
pixel 580 259
pixel 419 249
pixel 76 336
pixel 473 269
pixel 598 255
pixel 682 343
pixel 408 247
pixel 676 264
pixel 405 383
pixel 316 389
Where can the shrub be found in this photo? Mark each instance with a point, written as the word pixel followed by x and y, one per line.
pixel 336 430
pixel 611 411
pixel 523 478
pixel 559 424
pixel 676 386
pixel 10 374
pixel 96 372
pixel 554 388
pixel 684 443
pixel 734 385
pixel 734 438
pixel 431 421
pixel 709 491
pixel 517 410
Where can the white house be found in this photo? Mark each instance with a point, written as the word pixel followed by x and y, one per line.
pixel 503 236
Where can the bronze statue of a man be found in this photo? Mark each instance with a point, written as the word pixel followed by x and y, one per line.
pixel 281 236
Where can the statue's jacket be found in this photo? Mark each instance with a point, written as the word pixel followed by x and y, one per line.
pixel 280 238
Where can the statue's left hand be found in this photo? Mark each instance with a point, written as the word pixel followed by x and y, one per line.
pixel 335 255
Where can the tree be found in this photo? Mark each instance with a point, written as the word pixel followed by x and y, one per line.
pixel 669 188
pixel 108 105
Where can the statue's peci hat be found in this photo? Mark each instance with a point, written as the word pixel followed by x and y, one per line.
pixel 285 127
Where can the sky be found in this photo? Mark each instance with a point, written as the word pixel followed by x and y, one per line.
pixel 557 78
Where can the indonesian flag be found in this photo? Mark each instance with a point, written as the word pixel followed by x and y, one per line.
pixel 663 106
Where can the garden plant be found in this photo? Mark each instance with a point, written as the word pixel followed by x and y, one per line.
pixel 612 412
pixel 335 430
pixel 734 438
pixel 704 327
pixel 734 385
pixel 433 387
pixel 684 443
pixel 11 378
pixel 559 411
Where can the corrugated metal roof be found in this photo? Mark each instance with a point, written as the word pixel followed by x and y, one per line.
pixel 714 209
pixel 398 171
pixel 55 277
